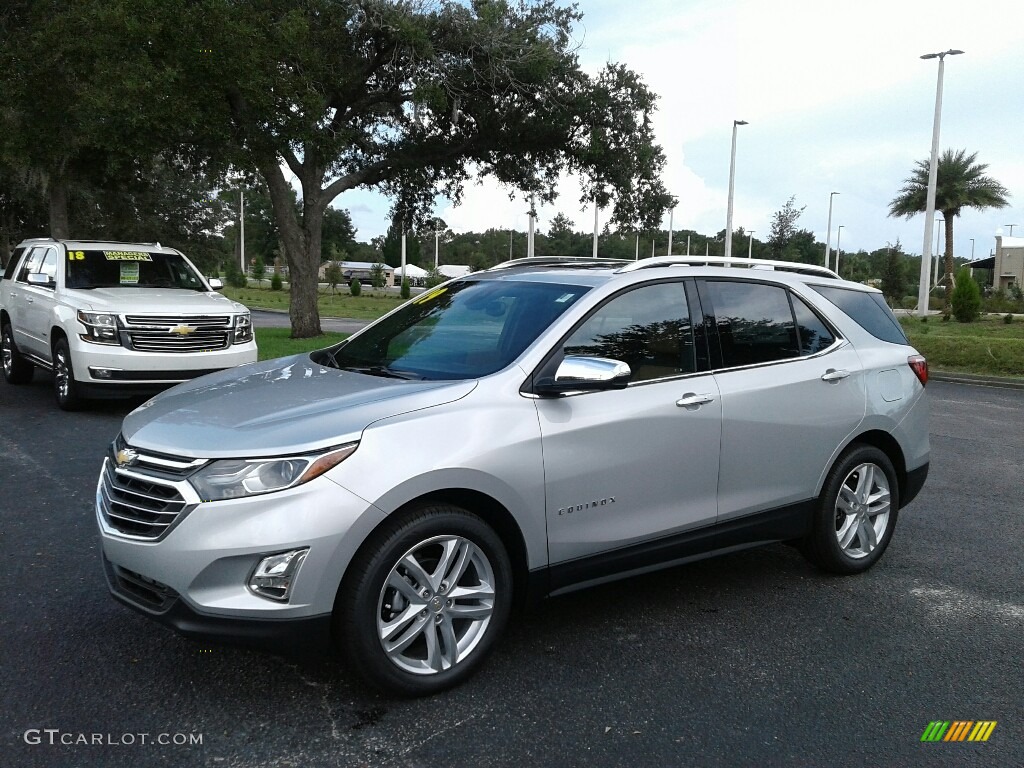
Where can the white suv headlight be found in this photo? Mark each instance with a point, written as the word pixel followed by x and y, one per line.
pixel 100 327
pixel 234 478
pixel 243 329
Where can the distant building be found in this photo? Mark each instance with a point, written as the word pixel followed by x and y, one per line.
pixel 454 270
pixel 1007 263
pixel 361 270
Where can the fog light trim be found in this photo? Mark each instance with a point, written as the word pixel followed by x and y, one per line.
pixel 275 574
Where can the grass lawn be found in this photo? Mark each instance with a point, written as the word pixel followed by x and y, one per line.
pixel 276 342
pixel 369 305
pixel 986 347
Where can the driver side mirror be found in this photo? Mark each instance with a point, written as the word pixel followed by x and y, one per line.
pixel 582 374
pixel 42 280
pixel 216 283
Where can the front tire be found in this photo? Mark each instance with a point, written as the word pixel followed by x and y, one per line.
pixel 425 601
pixel 856 513
pixel 65 388
pixel 17 370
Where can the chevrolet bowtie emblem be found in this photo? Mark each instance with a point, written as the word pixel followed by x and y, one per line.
pixel 126 457
pixel 182 330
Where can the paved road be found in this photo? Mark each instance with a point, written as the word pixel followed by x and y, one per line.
pixel 264 319
pixel 749 660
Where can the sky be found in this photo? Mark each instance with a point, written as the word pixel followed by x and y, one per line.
pixel 836 98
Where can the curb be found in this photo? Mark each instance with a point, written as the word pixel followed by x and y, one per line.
pixel 1002 382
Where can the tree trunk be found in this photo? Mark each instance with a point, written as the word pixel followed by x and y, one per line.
pixel 301 241
pixel 947 306
pixel 58 191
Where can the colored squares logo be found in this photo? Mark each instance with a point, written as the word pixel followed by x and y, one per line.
pixel 958 730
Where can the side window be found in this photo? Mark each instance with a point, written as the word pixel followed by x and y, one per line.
pixel 647 328
pixel 755 323
pixel 31 264
pixel 868 309
pixel 814 334
pixel 12 265
pixel 49 265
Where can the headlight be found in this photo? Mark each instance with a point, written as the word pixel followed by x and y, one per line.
pixel 100 327
pixel 234 478
pixel 243 329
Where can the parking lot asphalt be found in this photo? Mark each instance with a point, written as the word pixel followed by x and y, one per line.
pixel 754 659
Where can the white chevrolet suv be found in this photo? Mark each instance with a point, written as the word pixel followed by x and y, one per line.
pixel 115 318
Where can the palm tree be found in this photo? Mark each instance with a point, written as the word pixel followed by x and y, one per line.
pixel 960 182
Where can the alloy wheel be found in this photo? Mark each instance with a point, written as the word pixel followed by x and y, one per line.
pixel 862 510
pixel 435 605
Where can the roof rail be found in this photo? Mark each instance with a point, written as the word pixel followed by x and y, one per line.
pixel 721 261
pixel 554 261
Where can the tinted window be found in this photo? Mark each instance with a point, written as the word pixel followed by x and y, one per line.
pixel 130 269
pixel 869 310
pixel 13 263
pixel 648 328
pixel 814 334
pixel 755 323
pixel 461 331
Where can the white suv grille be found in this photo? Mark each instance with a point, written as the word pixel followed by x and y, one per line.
pixel 178 333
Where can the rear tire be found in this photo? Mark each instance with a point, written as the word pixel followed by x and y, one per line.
pixel 65 388
pixel 855 515
pixel 17 370
pixel 424 601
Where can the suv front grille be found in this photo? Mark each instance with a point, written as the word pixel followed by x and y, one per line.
pixel 178 333
pixel 138 506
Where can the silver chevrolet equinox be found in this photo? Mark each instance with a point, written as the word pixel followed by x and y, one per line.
pixel 521 432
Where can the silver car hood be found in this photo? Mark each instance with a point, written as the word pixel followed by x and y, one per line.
pixel 277 407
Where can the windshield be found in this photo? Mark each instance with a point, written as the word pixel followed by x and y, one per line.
pixel 131 269
pixel 463 330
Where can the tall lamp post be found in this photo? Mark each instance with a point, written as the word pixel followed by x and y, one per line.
pixel 929 217
pixel 828 230
pixel 750 245
pixel 839 250
pixel 732 186
pixel 1011 226
pixel 972 249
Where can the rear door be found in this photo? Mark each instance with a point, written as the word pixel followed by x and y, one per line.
pixel 38 304
pixel 792 391
pixel 626 466
pixel 21 298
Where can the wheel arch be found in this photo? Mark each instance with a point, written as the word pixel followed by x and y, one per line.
pixel 488 509
pixel 888 445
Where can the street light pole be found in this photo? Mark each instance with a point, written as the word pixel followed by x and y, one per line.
pixel 828 231
pixel 933 168
pixel 938 248
pixel 750 245
pixel 671 214
pixel 732 186
pixel 972 249
pixel 839 250
pixel 594 254
pixel 1011 226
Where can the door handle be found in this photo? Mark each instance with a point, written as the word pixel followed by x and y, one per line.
pixel 690 400
pixel 833 375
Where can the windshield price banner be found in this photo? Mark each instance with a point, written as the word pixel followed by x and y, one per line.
pixel 127 256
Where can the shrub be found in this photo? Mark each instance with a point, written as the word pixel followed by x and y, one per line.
pixel 406 290
pixel 235 278
pixel 966 298
pixel 333 276
pixel 434 277
pixel 259 270
pixel 355 287
pixel 377 276
pixel 1007 318
pixel 276 283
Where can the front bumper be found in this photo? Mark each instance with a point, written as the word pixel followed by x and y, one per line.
pixel 195 578
pixel 129 368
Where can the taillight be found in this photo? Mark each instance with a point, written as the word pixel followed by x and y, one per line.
pixel 919 366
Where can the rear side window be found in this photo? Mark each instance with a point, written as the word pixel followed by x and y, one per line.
pixel 868 310
pixel 13 263
pixel 754 321
pixel 814 334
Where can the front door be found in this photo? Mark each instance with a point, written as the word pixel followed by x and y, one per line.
pixel 625 466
